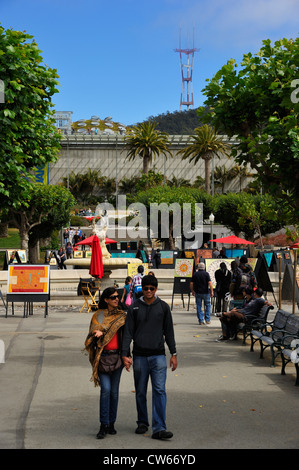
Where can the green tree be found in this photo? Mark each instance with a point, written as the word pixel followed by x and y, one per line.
pixel 128 185
pixel 173 200
pixel 204 145
pixel 248 213
pixel 221 176
pixel 178 182
pixel 84 186
pixel 145 141
pixel 259 105
pixel 28 135
pixel 41 201
pixel 240 172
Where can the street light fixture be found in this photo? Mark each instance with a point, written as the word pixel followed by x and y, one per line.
pixel 211 219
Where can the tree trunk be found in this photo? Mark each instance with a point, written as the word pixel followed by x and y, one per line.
pixel 24 233
pixel 207 175
pixel 3 229
pixel 145 164
pixel 33 254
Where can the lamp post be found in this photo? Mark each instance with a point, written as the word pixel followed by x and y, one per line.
pixel 211 219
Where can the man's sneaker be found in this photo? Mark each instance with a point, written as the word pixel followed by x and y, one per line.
pixel 112 429
pixel 103 431
pixel 141 429
pixel 218 314
pixel 221 339
pixel 162 435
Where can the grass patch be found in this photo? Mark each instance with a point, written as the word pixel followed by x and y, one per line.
pixel 13 240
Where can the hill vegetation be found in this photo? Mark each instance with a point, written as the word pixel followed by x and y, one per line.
pixel 179 122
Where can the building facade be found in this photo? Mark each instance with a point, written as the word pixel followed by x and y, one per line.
pixel 107 153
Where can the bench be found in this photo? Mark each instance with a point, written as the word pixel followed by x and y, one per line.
pixel 290 352
pixel 271 333
pixel 254 322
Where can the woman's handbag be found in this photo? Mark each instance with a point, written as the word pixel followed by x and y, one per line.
pixel 109 362
pixel 128 300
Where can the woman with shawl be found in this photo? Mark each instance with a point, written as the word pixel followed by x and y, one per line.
pixel 102 344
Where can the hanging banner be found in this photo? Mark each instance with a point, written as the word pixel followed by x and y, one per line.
pixel 41 174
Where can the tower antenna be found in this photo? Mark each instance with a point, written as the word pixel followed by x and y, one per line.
pixel 187 73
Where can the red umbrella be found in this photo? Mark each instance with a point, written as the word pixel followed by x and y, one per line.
pixel 109 240
pixel 89 241
pixel 232 240
pixel 295 245
pixel 96 263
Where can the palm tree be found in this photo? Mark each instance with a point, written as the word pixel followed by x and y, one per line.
pixel 221 176
pixel 128 185
pixel 83 185
pixel 206 143
pixel 145 141
pixel 178 182
pixel 241 172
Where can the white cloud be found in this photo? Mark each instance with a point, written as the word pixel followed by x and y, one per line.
pixel 236 23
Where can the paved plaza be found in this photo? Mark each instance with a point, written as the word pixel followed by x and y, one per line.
pixel 222 396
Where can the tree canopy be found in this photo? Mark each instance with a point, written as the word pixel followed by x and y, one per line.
pixel 145 141
pixel 259 104
pixel 28 135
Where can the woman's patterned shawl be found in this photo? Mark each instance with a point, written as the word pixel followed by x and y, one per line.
pixel 109 322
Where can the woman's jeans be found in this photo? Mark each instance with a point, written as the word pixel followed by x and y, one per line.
pixel 206 298
pixel 154 367
pixel 109 396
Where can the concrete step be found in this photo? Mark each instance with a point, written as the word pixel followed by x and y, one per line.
pixel 64 284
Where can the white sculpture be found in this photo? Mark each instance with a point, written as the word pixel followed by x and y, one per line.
pixel 99 228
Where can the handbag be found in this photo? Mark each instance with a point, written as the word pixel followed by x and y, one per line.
pixel 109 363
pixel 128 300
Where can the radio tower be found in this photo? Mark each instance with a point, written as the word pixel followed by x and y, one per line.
pixel 187 72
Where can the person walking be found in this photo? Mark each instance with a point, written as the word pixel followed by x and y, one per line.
pixel 223 279
pixel 149 324
pixel 157 259
pixel 103 344
pixel 200 285
pixel 135 286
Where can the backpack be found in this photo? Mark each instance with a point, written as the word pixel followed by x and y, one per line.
pixel 243 280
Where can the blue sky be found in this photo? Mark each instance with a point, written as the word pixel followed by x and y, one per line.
pixel 116 58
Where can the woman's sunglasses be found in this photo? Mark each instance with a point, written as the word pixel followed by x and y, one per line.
pixel 114 297
pixel 149 288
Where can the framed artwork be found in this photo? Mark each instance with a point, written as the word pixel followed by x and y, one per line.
pixel 132 268
pixel 213 264
pixel 22 255
pixel 167 257
pixel 183 267
pixel 29 279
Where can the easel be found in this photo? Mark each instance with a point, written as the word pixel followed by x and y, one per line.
pixel 181 286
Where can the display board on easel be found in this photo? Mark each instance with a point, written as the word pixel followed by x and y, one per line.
pixel 28 283
pixel 182 277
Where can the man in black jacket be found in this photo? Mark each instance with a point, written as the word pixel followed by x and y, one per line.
pixel 149 324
